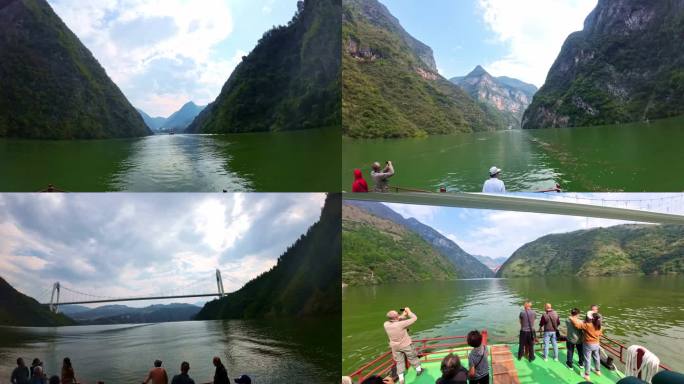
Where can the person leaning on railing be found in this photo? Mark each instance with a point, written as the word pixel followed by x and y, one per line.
pixel 400 342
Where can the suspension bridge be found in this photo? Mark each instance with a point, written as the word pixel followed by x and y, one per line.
pixel 86 298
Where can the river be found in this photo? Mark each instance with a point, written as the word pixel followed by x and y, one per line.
pixel 637 309
pixel 267 351
pixel 274 162
pixel 630 157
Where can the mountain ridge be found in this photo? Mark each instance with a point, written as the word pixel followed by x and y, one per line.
pixel 17 309
pixel 616 250
pixel 509 96
pixel 52 86
pixel 624 66
pixel 391 87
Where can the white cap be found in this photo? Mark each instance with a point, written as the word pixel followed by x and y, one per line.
pixel 494 170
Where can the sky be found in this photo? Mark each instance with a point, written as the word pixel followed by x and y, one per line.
pixel 497 233
pixel 123 245
pixel 164 53
pixel 519 39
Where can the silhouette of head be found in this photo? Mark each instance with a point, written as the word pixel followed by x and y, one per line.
pixel 67 362
pixel 20 362
pixel 474 339
pixel 157 363
pixel 450 366
pixel 216 361
pixel 185 367
pixel 54 380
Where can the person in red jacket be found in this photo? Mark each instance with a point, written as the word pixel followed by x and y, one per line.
pixel 359 184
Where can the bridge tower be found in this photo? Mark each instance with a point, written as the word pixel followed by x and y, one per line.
pixel 54 299
pixel 219 283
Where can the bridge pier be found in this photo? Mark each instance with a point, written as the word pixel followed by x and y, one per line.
pixel 54 300
pixel 219 283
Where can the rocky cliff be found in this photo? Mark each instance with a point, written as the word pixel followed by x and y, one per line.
pixel 390 83
pixel 626 65
pixel 509 96
pixel 51 86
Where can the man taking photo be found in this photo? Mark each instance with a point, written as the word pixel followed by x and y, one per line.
pixel 400 342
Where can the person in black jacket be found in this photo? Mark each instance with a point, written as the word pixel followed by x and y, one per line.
pixel 20 374
pixel 221 375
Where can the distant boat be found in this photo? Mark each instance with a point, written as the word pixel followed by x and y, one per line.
pixel 172 133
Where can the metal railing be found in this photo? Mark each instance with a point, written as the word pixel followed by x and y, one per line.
pixel 618 349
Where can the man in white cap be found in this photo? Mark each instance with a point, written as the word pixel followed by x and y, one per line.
pixel 493 184
pixel 400 342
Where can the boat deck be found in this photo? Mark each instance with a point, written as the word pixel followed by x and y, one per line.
pixel 506 369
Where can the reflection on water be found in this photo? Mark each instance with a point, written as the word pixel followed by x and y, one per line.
pixel 638 310
pixel 300 161
pixel 266 350
pixel 629 157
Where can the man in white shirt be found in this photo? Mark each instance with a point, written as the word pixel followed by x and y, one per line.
pixel 493 184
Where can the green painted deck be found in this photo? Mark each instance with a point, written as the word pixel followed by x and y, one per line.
pixel 539 371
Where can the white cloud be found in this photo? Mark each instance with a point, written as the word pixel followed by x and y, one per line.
pixel 422 213
pixel 534 31
pixel 130 38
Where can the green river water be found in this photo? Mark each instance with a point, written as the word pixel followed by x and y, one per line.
pixel 268 162
pixel 631 157
pixel 637 310
pixel 267 351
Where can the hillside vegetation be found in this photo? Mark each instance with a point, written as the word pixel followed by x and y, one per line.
pixel 622 249
pixel 390 84
pixel 20 310
pixel 305 282
pixel 51 86
pixel 290 80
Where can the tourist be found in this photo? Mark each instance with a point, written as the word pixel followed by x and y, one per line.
pixel 38 376
pixel 157 374
pixel 493 184
pixel 373 380
pixel 20 374
pixel 380 178
pixel 592 341
pixel 183 378
pixel 549 323
pixel 452 371
pixel 593 309
pixel 35 363
pixel 526 339
pixel 221 374
pixel 68 376
pixel 478 366
pixel 243 379
pixel 54 380
pixel 359 184
pixel 574 339
pixel 400 342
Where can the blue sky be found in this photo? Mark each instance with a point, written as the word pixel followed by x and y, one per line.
pixel 499 233
pixel 123 245
pixel 518 38
pixel 164 53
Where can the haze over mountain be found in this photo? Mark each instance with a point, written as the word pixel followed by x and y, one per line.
pixel 305 281
pixel 493 263
pixel 624 66
pixel 289 81
pixel 391 84
pixel 621 249
pixel 51 86
pixel 122 314
pixel 20 310
pixel 509 96
pixel 378 242
pixel 177 121
pixel 153 123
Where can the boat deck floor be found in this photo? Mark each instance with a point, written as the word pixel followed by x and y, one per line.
pixel 505 368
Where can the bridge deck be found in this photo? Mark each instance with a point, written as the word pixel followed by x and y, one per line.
pixel 135 299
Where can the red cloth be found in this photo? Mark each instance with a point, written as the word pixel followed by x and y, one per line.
pixel 359 184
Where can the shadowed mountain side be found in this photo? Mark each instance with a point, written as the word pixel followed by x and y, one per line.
pixel 20 310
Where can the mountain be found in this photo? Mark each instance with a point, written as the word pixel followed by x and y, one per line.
pixel 391 87
pixel 509 96
pixel 153 123
pixel 626 65
pixel 466 266
pixel 180 119
pixel 51 86
pixel 18 309
pixel 622 249
pixel 493 263
pixel 304 282
pixel 121 314
pixel 378 251
pixel 290 80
